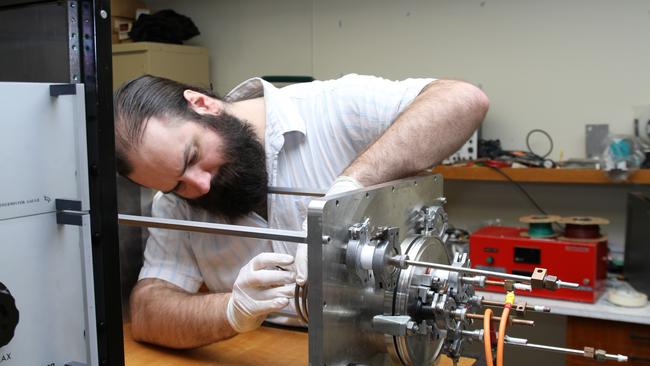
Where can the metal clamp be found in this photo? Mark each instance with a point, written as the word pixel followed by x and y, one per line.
pixel 63 89
pixel 395 325
pixel 433 220
pixel 68 212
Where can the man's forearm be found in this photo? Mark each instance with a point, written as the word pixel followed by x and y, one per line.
pixel 433 127
pixel 164 314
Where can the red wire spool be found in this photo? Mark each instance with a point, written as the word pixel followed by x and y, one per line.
pixel 583 227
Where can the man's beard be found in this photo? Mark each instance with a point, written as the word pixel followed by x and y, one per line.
pixel 240 185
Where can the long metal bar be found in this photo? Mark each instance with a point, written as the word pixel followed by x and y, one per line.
pixel 296 191
pixel 212 228
pixel 475 271
pixel 482 272
pixel 568 351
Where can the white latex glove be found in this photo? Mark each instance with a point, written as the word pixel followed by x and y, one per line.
pixel 342 184
pixel 259 291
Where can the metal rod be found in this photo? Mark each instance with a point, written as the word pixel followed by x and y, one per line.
pixel 568 351
pixel 475 271
pixel 477 333
pixel 562 284
pixel 517 286
pixel 212 228
pixel 495 283
pixel 538 308
pixel 507 276
pixel 497 318
pixel 296 191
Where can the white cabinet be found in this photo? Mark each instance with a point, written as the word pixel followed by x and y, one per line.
pixel 186 64
pixel 45 266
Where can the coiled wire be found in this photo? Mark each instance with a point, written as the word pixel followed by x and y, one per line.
pixel 300 302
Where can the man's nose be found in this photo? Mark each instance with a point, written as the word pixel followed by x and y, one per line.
pixel 199 180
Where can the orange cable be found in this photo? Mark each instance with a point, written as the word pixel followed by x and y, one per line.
pixel 502 333
pixel 487 342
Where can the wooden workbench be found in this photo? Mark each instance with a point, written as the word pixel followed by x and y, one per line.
pixel 265 346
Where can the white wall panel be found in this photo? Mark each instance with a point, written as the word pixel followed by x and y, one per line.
pixel 556 65
pixel 553 64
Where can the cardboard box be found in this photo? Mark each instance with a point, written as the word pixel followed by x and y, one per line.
pixel 120 28
pixel 126 8
pixel 119 24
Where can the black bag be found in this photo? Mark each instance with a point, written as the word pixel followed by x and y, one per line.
pixel 165 26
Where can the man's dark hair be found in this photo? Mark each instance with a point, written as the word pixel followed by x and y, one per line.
pixel 142 98
pixel 239 187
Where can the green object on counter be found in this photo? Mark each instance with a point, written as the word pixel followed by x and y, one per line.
pixel 540 230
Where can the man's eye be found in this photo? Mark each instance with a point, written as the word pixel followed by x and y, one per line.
pixel 192 159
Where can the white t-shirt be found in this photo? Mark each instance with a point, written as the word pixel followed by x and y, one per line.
pixel 313 132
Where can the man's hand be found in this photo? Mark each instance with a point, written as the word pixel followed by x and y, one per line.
pixel 259 291
pixel 342 184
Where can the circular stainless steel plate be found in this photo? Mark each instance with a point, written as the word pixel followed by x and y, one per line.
pixel 415 349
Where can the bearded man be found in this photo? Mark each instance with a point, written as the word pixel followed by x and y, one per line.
pixel 212 160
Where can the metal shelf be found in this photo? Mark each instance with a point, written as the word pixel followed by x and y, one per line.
pixel 538 175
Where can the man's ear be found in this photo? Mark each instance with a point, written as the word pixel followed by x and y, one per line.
pixel 201 103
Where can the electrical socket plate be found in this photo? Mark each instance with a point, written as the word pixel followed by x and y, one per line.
pixel 469 151
pixel 642 122
pixel 595 139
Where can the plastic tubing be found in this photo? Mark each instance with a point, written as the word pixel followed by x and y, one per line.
pixel 510 299
pixel 502 332
pixel 487 343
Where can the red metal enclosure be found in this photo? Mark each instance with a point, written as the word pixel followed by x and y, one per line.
pixel 506 249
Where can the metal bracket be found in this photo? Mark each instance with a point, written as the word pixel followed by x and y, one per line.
pixel 395 325
pixel 68 205
pixel 359 239
pixel 63 89
pixel 373 253
pixel 69 218
pixel 433 220
pixel 73 40
pixel 68 212
pixel 387 247
pixel 537 279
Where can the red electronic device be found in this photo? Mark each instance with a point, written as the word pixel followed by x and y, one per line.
pixel 510 250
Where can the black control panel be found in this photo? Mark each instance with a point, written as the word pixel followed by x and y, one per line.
pixel 528 255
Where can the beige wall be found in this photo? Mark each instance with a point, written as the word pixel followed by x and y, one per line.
pixel 550 64
pixel 250 38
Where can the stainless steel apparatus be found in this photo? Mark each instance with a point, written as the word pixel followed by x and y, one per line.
pixel 381 288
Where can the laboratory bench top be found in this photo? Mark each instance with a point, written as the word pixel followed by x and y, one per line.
pixel 264 346
pixel 601 309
